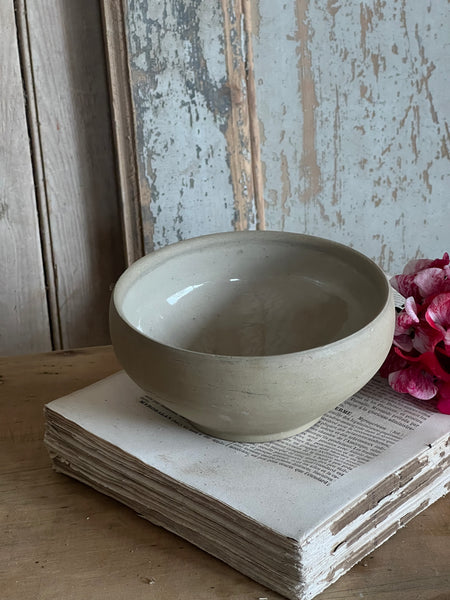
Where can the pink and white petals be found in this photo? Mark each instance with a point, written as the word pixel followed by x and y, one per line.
pixel 425 338
pixel 414 381
pixel 423 277
pixel 415 266
pixel 433 281
pixel 438 317
pixel 411 309
pixel 407 317
pixel 419 360
pixel 405 285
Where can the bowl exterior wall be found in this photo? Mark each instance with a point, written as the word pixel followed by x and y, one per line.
pixel 253 398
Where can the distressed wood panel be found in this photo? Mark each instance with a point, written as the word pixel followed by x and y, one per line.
pixel 188 81
pixel 353 110
pixel 75 141
pixel 123 124
pixel 24 322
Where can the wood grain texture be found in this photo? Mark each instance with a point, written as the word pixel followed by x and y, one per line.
pixel 38 172
pixel 255 137
pixel 61 539
pixel 71 100
pixel 193 142
pixel 354 115
pixel 24 321
pixel 238 132
pixel 347 120
pixel 123 126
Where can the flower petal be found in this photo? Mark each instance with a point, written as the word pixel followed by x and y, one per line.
pixel 405 285
pixel 407 317
pixel 432 281
pixel 393 362
pixel 413 381
pixel 443 404
pixel 414 266
pixel 426 338
pixel 438 316
pixel 429 362
pixel 438 311
pixel 404 342
pixel 411 309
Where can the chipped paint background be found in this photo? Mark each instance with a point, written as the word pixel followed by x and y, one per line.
pixel 351 109
pixel 183 105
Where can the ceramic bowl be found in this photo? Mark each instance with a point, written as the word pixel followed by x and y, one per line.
pixel 252 336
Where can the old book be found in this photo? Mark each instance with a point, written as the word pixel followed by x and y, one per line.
pixel 294 514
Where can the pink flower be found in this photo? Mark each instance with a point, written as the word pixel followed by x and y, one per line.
pixel 419 360
pixel 423 277
pixel 412 331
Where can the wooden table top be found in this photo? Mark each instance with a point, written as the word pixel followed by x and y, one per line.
pixel 62 540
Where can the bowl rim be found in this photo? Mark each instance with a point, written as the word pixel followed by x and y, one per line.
pixel 141 267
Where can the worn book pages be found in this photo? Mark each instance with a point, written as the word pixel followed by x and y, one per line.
pixel 293 514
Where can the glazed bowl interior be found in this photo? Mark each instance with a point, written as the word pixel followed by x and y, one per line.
pixel 251 294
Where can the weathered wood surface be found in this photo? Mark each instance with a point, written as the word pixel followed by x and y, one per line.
pixel 79 199
pixel 60 539
pixel 347 116
pixel 329 118
pixel 352 103
pixel 123 126
pixel 188 84
pixel 24 320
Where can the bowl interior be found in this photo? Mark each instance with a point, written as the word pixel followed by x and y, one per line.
pixel 251 294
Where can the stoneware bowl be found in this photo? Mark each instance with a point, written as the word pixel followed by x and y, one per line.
pixel 252 336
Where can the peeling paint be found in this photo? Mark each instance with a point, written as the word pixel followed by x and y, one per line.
pixel 336 148
pixel 306 89
pixel 366 22
pixel 426 177
pixel 285 190
pixel 237 132
pixel 336 123
pixel 249 26
pixel 379 113
pixel 190 120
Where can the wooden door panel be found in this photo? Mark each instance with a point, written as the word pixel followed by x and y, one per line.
pixel 24 321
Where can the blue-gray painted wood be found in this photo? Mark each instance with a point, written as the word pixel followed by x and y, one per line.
pixel 353 107
pixel 183 101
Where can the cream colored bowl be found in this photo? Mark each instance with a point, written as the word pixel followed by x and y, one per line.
pixel 252 336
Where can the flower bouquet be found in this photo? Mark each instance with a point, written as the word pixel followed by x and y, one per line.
pixel 419 360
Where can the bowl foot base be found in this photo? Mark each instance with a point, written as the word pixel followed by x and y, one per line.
pixel 254 438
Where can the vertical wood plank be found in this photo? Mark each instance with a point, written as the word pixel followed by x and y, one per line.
pixel 38 172
pixel 255 137
pixel 192 135
pixel 124 126
pixel 24 321
pixel 352 103
pixel 68 64
pixel 238 133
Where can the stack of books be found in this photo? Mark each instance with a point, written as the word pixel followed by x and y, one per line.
pixel 293 514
